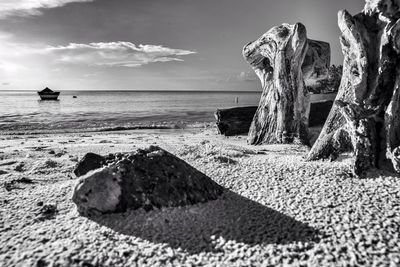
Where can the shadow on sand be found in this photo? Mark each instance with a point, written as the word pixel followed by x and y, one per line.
pixel 232 217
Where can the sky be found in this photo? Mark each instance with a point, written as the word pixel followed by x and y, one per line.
pixel 148 44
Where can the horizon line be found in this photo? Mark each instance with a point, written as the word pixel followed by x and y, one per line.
pixel 134 90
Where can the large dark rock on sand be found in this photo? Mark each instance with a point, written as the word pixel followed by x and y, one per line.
pixel 88 163
pixel 149 178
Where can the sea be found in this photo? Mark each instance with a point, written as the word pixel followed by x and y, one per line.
pixel 22 112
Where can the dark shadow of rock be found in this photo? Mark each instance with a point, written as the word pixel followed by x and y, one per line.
pixel 191 228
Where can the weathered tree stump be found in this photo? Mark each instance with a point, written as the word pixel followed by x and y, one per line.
pixel 277 58
pixel 365 116
pixel 234 121
pixel 237 121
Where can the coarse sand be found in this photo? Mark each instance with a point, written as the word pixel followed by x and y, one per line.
pixel 277 209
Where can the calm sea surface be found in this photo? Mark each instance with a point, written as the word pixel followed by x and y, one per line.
pixel 22 111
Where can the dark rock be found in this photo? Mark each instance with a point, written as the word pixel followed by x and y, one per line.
pixel 9 186
pixel 60 154
pixel 148 179
pixel 20 167
pixel 13 183
pixel 47 211
pixel 49 164
pixel 88 163
pixel 223 159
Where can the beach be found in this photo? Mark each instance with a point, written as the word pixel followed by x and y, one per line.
pixel 276 209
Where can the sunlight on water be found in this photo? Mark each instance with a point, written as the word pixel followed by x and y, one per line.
pixel 23 111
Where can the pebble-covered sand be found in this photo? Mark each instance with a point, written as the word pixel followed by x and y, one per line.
pixel 278 210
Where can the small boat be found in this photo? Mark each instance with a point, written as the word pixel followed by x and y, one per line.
pixel 74 96
pixel 48 94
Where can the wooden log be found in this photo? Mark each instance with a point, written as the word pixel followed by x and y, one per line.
pixel 237 121
pixel 234 121
pixel 277 58
pixel 365 115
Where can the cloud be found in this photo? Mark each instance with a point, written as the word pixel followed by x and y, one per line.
pixel 241 77
pixel 30 7
pixel 8 67
pixel 14 56
pixel 247 76
pixel 116 54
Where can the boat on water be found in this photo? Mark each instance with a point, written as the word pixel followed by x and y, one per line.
pixel 48 94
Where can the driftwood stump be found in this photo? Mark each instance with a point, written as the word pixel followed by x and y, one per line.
pixel 234 121
pixel 365 117
pixel 237 121
pixel 280 58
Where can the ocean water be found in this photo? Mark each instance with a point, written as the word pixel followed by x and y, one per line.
pixel 23 112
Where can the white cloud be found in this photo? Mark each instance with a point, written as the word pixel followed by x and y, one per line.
pixel 30 7
pixel 17 56
pixel 8 66
pixel 243 76
pixel 116 54
pixel 247 76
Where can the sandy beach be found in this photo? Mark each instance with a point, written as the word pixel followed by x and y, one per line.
pixel 277 209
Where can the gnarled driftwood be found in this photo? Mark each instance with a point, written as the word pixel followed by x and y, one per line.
pixel 234 121
pixel 280 58
pixel 365 116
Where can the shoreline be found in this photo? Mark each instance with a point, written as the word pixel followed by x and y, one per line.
pixel 277 208
pixel 146 126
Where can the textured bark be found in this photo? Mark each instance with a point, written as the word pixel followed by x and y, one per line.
pixel 365 115
pixel 316 66
pixel 148 178
pixel 277 57
pixel 234 121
